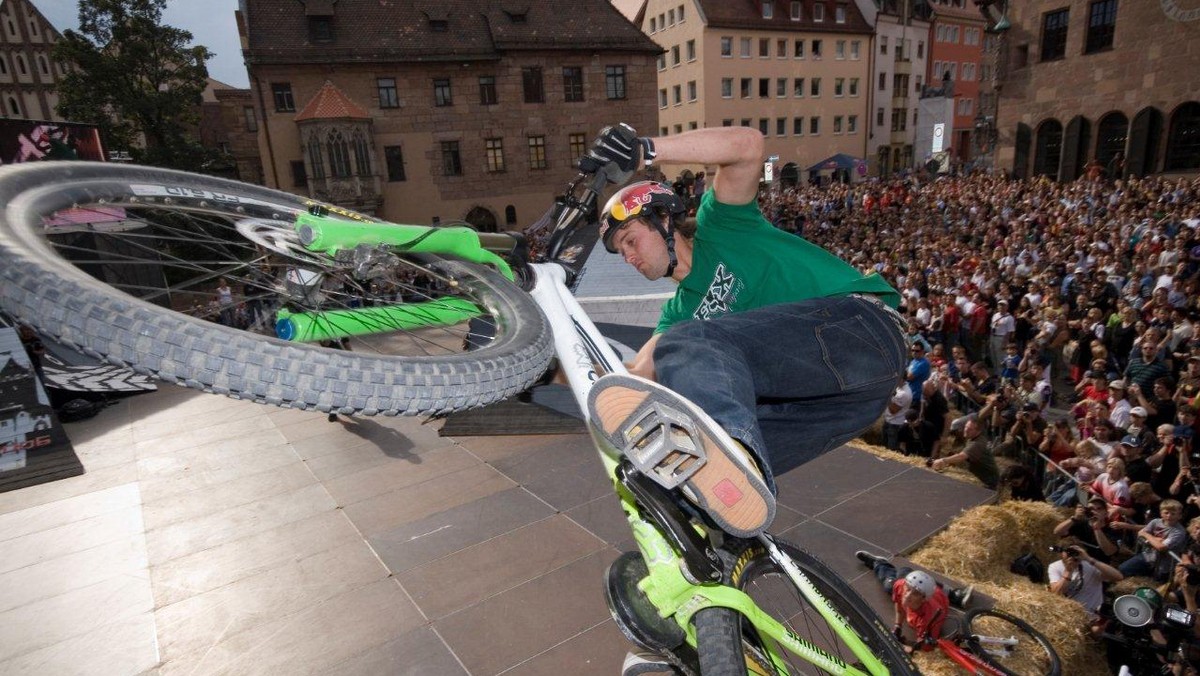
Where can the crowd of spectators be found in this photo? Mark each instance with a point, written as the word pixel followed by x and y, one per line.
pixel 1055 351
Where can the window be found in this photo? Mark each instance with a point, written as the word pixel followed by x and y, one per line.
pixel 691 90
pixel 744 46
pixel 920 49
pixel 671 17
pixel 439 25
pixel 43 64
pixel 250 118
pixel 727 122
pixel 855 47
pixel 879 117
pixel 799 49
pixel 883 44
pixel 299 176
pixel 487 90
pixel 798 87
pixel 839 86
pixel 745 122
pixel 680 13
pixel 576 146
pixel 764 47
pixel 451 159
pixel 899 119
pixel 4 65
pixel 917 85
pixel 853 86
pixel 339 155
pixel 653 24
pixel 282 93
pixel 839 14
pixel 839 51
pixel 675 55
pixel 781 126
pixel 691 50
pixel 816 49
pixel 837 124
pixel 899 85
pixel 781 87
pixel 768 9
pixel 746 83
pixel 814 125
pixel 797 126
pixel 614 82
pixel 662 98
pixel 1054 35
pixel 320 29
pixel 388 96
pixel 852 124
pixel 493 148
pixel 764 87
pixel 819 13
pixel 362 154
pixel 815 88
pixel 441 92
pixel 572 83
pixel 797 11
pixel 781 49
pixel 726 45
pixel 677 94
pixel 764 125
pixel 315 158
pixel 882 81
pixel 662 62
pixel 727 88
pixel 678 128
pixel 532 84
pixel 537 152
pixel 1102 23
pixel 393 157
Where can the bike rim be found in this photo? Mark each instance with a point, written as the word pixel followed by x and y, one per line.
pixel 1028 657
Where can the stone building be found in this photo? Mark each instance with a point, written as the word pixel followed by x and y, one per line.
pixel 796 70
pixel 229 125
pixel 1084 80
pixel 440 110
pixel 27 72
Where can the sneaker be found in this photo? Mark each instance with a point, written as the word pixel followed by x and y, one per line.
pixel 868 559
pixel 672 441
pixel 961 596
pixel 333 417
pixel 647 664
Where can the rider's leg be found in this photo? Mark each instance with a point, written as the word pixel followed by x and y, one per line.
pixel 809 375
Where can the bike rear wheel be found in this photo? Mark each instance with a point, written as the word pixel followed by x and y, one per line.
pixel 112 260
pixel 721 648
pixel 1031 656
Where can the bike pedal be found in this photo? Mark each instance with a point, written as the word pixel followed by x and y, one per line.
pixel 663 444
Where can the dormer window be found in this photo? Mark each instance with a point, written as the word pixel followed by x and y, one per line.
pixel 320 28
pixel 439 25
pixel 768 9
pixel 517 17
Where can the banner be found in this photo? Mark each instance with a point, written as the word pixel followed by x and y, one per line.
pixel 32 140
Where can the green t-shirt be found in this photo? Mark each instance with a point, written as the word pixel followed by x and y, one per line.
pixel 741 262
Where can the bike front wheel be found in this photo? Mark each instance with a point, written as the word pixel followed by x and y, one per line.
pixel 1010 644
pixel 764 580
pixel 124 263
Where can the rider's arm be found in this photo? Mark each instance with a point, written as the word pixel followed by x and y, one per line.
pixel 643 364
pixel 737 152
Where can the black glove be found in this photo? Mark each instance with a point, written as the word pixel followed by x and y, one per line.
pixel 616 152
pixel 898 632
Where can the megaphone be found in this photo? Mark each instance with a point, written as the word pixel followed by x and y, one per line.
pixel 996 14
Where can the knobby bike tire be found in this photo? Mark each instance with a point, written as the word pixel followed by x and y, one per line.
pixel 44 289
pixel 1039 647
pixel 721 634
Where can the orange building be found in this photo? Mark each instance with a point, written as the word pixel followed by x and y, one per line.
pixel 956 48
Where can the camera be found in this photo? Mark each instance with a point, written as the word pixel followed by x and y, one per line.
pixel 1193 573
pixel 1071 551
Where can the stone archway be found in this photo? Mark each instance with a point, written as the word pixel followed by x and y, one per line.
pixel 1183 138
pixel 482 219
pixel 789 175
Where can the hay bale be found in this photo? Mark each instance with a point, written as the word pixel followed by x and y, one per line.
pixel 957 472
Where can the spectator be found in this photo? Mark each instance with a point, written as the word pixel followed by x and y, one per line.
pixel 1118 405
pixel 1090 526
pixel 976 455
pixel 1158 539
pixel 1081 577
pixel 894 417
pixel 918 371
pixel 1145 367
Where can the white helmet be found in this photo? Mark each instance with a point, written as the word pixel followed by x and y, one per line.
pixel 920 581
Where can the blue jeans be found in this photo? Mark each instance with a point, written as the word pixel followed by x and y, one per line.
pixel 789 381
pixel 887 574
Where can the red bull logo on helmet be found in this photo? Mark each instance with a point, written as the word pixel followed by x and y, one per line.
pixel 631 203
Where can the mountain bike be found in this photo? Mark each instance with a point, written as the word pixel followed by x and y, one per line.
pixel 998 644
pixel 114 261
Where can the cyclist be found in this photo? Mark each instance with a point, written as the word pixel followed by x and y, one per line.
pixel 772 350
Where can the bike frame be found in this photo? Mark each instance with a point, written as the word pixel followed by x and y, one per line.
pixel 583 354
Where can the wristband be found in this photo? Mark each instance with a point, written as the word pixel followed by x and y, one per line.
pixel 648 153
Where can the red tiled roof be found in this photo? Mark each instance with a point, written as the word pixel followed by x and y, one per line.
pixel 747 14
pixel 366 31
pixel 331 104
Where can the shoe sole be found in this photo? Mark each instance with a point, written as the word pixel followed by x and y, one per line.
pixel 714 478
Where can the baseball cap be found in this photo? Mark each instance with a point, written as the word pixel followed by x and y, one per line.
pixel 1138 411
pixel 1117 384
pixel 1132 440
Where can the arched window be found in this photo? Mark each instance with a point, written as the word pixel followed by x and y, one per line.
pixel 1183 139
pixel 339 155
pixel 1111 133
pixel 510 215
pixel 1145 137
pixel 1047 152
pixel 13 107
pixel 22 68
pixel 315 161
pixel 362 154
pixel 3 65
pixel 43 64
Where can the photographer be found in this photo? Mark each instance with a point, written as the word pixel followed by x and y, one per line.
pixel 1089 526
pixel 1025 434
pixel 1081 577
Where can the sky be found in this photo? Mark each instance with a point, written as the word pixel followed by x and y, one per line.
pixel 210 22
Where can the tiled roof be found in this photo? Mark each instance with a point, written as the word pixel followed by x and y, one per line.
pixel 331 104
pixel 747 14
pixel 367 31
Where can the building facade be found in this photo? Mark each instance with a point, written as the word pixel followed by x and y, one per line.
pixel 28 73
pixel 796 70
pixel 229 125
pixel 431 111
pixel 956 53
pixel 1099 81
